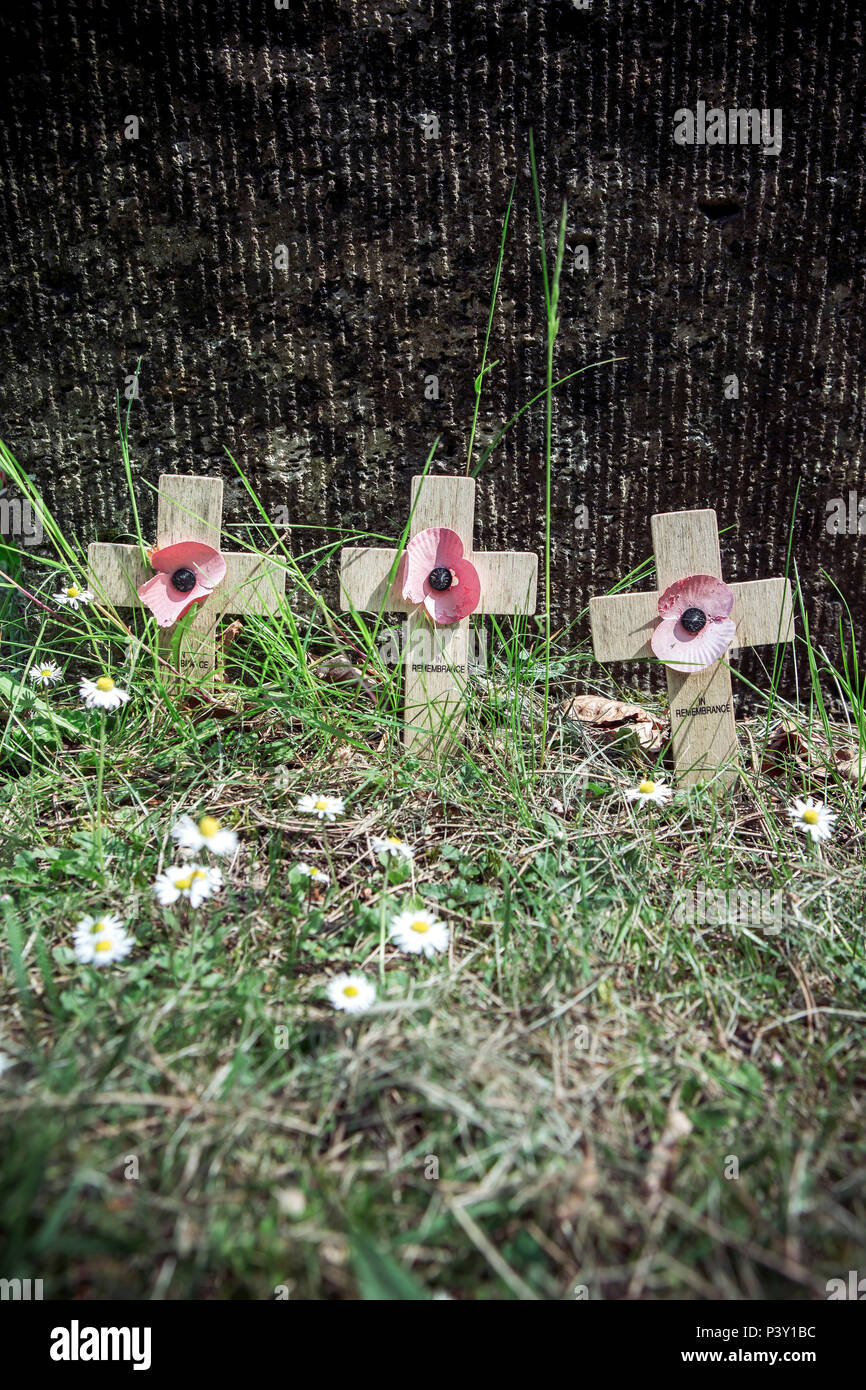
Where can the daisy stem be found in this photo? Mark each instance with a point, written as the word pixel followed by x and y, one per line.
pixel 382 940
pixel 330 858
pixel 183 926
pixel 54 729
pixel 100 778
pixel 192 940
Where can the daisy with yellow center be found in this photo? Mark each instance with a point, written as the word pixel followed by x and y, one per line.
pixel 392 846
pixel 351 993
pixel 103 693
pixel 321 805
pixel 101 940
pixel 45 674
pixel 813 818
pixel 418 932
pixel 650 789
pixel 95 926
pixel 316 876
pixel 191 881
pixel 73 596
pixel 207 833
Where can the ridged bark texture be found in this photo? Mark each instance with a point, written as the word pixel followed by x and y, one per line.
pixel 376 144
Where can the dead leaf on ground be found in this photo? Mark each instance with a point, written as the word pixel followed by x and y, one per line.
pixel 665 1156
pixel 788 746
pixel 614 717
pixel 222 707
pixel 233 630
pixel 573 1203
pixel 851 763
pixel 785 746
pixel 347 755
pixel 340 671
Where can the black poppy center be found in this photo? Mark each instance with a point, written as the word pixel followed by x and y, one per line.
pixel 694 619
pixel 440 579
pixel 183 580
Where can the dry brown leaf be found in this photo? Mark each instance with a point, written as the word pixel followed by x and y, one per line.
pixel 223 707
pixel 340 671
pixel 851 763
pixel 615 716
pixel 233 630
pixel 347 755
pixel 786 745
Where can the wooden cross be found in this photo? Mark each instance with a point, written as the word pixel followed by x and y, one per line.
pixel 703 733
pixel 189 509
pixel 436 658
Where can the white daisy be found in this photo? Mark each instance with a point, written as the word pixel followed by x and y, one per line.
pixel 650 790
pixel 73 596
pixel 102 694
pixel 813 818
pixel 313 874
pixel 416 930
pixel 205 834
pixel 325 807
pixel 95 926
pixel 352 993
pixel 191 881
pixel 105 946
pixel 393 846
pixel 46 673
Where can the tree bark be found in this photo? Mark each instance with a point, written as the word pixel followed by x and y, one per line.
pixel 300 245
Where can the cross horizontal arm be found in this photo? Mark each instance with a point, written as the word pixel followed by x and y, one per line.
pixel 252 583
pixel 763 613
pixel 364 586
pixel 508 581
pixel 114 573
pixel 622 624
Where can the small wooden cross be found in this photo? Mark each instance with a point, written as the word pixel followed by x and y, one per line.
pixel 703 734
pixel 189 509
pixel 436 658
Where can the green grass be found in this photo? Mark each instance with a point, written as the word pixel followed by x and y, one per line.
pixel 542 1068
pixel 587 1093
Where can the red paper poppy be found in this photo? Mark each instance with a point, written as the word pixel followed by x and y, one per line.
pixel 435 572
pixel 696 627
pixel 187 573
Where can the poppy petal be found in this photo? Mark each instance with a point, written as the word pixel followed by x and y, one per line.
pixel 207 564
pixel 449 547
pixel 167 604
pixel 435 547
pixel 466 591
pixel 703 591
pixel 447 606
pixel 689 652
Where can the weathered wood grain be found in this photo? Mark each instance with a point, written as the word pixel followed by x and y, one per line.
pixel 622 625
